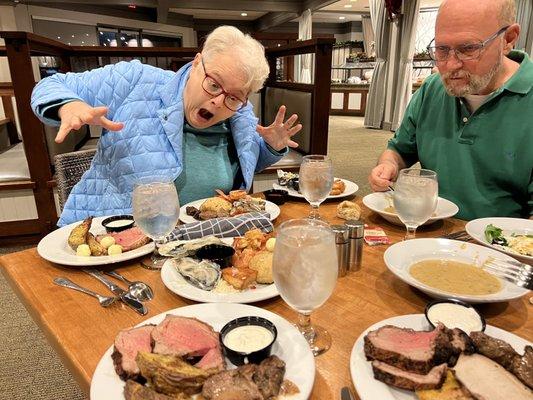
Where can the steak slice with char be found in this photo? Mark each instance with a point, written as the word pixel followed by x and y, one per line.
pixel 128 239
pixel 407 349
pixel 269 376
pixel 409 380
pixel 127 344
pixel 460 343
pixel 235 384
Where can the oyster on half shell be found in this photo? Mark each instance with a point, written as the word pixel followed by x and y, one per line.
pixel 186 248
pixel 203 274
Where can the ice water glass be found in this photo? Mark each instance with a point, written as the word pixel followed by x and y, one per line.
pixel 156 212
pixel 415 197
pixel 305 273
pixel 316 180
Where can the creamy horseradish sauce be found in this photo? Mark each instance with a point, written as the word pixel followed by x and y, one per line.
pixel 455 316
pixel 248 338
pixel 118 223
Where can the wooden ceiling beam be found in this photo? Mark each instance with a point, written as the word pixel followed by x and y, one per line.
pixel 162 11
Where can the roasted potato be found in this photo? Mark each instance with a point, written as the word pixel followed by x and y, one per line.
pixel 217 205
pixel 79 234
pixel 262 263
pixel 239 278
pixel 96 248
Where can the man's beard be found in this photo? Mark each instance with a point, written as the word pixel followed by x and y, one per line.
pixel 476 83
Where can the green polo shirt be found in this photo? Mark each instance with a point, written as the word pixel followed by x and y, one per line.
pixel 484 160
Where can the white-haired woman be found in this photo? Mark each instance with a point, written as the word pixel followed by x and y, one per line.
pixel 194 126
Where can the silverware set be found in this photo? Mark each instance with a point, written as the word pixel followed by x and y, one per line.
pixel 460 235
pixel 513 271
pixel 133 297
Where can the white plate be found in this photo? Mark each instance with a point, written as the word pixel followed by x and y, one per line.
pixel 177 284
pixel 54 248
pixel 369 388
pixel 476 229
pixel 378 201
pixel 400 256
pixel 351 188
pixel 270 208
pixel 290 346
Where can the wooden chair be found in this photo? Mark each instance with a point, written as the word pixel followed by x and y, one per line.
pixel 69 169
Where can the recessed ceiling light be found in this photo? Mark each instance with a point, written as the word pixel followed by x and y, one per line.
pixel 244 14
pixel 69 43
pixel 347 6
pixel 86 34
pixel 59 37
pixel 82 42
pixel 342 17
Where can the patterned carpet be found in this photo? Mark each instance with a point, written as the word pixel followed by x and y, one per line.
pixel 29 367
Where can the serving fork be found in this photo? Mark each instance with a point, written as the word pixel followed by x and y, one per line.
pixel 513 271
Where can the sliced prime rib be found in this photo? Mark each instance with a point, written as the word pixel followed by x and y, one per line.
pixel 461 343
pixel 504 354
pixel 127 344
pixel 485 379
pixel 188 337
pixel 128 239
pixel 409 380
pixel 136 391
pixel 269 375
pixel 407 349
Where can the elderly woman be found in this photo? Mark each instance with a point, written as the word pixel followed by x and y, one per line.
pixel 194 126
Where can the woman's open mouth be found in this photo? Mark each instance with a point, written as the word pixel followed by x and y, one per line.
pixel 204 114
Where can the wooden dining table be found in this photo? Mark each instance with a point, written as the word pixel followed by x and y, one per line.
pixel 81 331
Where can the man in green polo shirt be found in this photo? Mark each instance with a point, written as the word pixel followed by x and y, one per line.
pixel 473 122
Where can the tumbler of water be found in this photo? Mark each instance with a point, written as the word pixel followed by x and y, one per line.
pixel 156 212
pixel 316 180
pixel 415 197
pixel 305 273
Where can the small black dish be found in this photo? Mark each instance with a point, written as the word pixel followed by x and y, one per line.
pixel 457 302
pixel 217 253
pixel 276 196
pixel 255 357
pixel 106 223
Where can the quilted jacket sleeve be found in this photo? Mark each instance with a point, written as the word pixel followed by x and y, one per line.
pixel 107 86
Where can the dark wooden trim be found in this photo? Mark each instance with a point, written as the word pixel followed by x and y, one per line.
pixel 301 87
pixel 346 92
pixel 10 116
pixel 3 52
pixel 17 185
pixel 302 47
pixel 101 51
pixel 25 227
pixel 6 89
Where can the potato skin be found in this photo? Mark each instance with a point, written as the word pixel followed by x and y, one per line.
pixel 79 234
pixel 96 248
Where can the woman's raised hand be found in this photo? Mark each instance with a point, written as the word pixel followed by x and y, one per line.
pixel 75 114
pixel 278 134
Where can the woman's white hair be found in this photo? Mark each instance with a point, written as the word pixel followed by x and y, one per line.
pixel 248 53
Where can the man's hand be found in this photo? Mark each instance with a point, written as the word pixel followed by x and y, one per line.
pixel 382 176
pixel 278 134
pixel 75 114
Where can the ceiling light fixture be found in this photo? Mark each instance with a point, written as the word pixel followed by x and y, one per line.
pixel 59 37
pixel 82 42
pixel 86 34
pixel 347 6
pixel 342 17
pixel 132 6
pixel 72 35
pixel 244 14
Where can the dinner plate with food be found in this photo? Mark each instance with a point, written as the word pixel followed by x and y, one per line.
pixel 95 241
pixel 513 236
pixel 226 205
pixel 381 203
pixel 228 270
pixel 192 352
pixel 450 268
pixel 404 358
pixel 289 181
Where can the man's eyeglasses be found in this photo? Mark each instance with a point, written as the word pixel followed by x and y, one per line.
pixel 213 88
pixel 463 52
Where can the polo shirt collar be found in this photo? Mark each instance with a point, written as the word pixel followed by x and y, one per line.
pixel 522 81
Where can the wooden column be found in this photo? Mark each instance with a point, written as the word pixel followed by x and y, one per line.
pixel 321 99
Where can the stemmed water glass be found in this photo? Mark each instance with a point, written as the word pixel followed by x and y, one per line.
pixel 316 180
pixel 156 211
pixel 415 197
pixel 305 272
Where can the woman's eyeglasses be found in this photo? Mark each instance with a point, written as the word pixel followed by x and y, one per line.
pixel 463 52
pixel 213 88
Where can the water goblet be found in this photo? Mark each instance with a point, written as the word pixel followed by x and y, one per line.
pixel 415 197
pixel 156 212
pixel 305 273
pixel 316 180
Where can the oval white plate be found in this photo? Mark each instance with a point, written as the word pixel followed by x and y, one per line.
pixel 400 256
pixel 270 208
pixel 177 284
pixel 351 188
pixel 369 388
pixel 378 201
pixel 54 248
pixel 476 229
pixel 290 346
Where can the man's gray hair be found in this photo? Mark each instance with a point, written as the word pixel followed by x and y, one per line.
pixel 248 53
pixel 507 12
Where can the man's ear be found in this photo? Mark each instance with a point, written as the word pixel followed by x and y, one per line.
pixel 197 60
pixel 510 37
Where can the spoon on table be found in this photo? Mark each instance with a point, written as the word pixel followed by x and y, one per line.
pixel 140 290
pixel 104 301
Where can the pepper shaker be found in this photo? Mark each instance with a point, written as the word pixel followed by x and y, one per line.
pixel 341 242
pixel 356 236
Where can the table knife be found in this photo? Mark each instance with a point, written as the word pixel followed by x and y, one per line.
pixel 123 295
pixel 346 393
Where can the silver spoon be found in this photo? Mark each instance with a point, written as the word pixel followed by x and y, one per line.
pixel 140 290
pixel 103 300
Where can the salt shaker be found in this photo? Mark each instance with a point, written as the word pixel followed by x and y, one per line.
pixel 341 242
pixel 356 233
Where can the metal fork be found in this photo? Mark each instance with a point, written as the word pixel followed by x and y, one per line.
pixel 460 235
pixel 513 271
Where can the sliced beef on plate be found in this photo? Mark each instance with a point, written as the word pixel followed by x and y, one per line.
pixel 269 376
pixel 128 239
pixel 127 344
pixel 235 384
pixel 409 380
pixel 212 359
pixel 488 380
pixel 461 343
pixel 136 391
pixel 407 349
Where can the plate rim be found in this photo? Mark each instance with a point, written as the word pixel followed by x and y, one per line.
pixel 276 185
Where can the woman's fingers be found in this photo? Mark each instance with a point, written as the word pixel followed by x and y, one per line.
pixel 292 143
pixel 280 116
pixel 76 122
pixel 111 125
pixel 290 122
pixel 64 130
pixel 295 129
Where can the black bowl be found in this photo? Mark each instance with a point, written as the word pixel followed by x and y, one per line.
pixel 242 357
pixel 107 221
pixel 218 253
pixel 276 196
pixel 457 302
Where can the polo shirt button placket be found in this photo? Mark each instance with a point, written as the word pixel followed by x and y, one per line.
pixel 465 120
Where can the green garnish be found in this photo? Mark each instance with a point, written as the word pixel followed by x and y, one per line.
pixel 493 234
